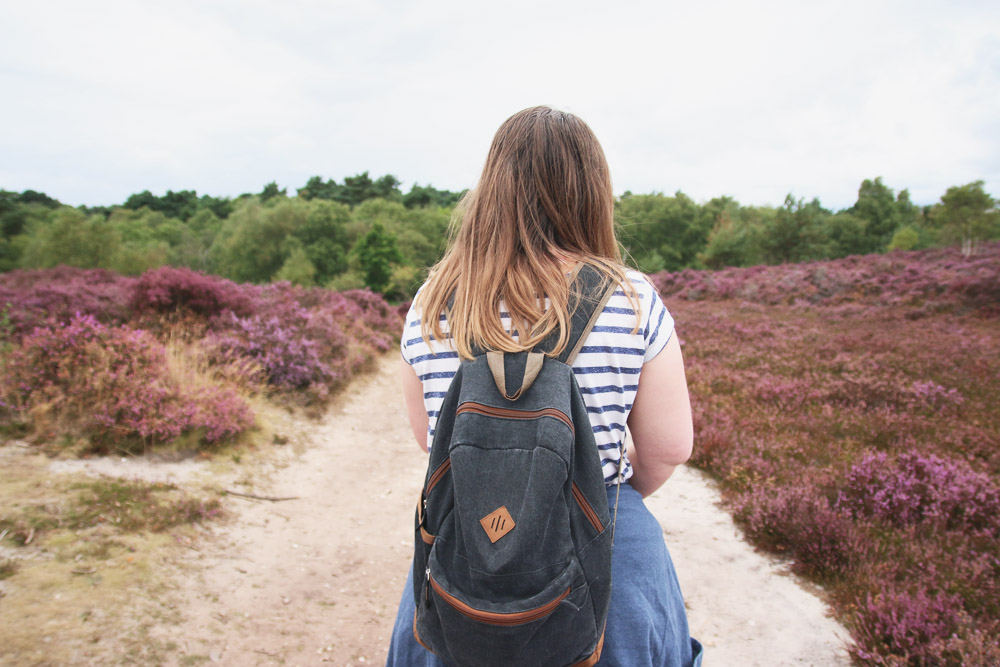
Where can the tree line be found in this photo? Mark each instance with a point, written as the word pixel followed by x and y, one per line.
pixel 365 232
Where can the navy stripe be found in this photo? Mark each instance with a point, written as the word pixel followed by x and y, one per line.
pixel 663 314
pixel 599 349
pixel 619 311
pixel 435 394
pixel 610 427
pixel 611 445
pixel 607 389
pixel 416 322
pixel 420 339
pixel 432 356
pixel 439 375
pixel 588 370
pixel 433 413
pixel 601 409
pixel 606 329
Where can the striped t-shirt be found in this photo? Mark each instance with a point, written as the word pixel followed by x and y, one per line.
pixel 607 367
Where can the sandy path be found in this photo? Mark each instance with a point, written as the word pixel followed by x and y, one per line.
pixel 318 579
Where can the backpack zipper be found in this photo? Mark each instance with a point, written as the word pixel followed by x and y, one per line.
pixel 495 618
pixel 506 413
pixel 587 508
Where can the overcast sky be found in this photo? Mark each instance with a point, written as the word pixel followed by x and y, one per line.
pixel 754 100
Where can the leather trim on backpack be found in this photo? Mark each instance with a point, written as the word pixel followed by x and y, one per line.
pixel 496 618
pixel 438 474
pixel 588 509
pixel 416 635
pixel 426 537
pixel 586 662
pixel 507 413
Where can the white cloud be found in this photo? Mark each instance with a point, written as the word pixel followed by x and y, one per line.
pixel 747 99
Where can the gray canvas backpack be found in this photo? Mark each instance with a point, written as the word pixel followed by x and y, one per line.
pixel 512 562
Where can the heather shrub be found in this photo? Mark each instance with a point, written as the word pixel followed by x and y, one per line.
pixel 45 296
pixel 111 384
pixel 307 338
pixel 379 319
pixel 287 358
pixel 168 290
pixel 942 278
pixel 861 444
pixel 297 340
pixel 797 522
pixel 906 627
pixel 916 488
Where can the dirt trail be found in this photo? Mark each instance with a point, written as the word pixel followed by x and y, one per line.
pixel 317 579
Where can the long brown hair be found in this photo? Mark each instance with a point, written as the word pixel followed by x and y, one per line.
pixel 544 196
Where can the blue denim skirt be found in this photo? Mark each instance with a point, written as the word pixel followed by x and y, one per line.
pixel 647 624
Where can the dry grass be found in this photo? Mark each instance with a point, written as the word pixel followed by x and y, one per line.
pixel 78 588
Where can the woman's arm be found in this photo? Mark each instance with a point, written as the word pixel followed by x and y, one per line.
pixel 413 395
pixel 660 420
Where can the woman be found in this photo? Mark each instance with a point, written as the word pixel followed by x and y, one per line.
pixel 544 203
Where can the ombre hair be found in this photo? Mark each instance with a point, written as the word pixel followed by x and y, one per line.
pixel 544 196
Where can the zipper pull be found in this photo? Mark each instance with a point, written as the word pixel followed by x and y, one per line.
pixel 427 589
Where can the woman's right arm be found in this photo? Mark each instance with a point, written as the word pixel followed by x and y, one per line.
pixel 660 420
pixel 413 395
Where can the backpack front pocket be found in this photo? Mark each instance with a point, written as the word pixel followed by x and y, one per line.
pixel 497 618
pixel 470 631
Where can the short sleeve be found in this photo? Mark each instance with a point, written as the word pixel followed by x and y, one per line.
pixel 659 325
pixel 411 332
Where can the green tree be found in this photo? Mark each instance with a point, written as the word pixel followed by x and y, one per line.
pixel 271 190
pixel 427 196
pixel 357 189
pixel 251 245
pixel 377 252
pixel 668 231
pixel 181 205
pixel 324 238
pixel 317 188
pixel 796 233
pixel 297 269
pixel 905 238
pixel 71 238
pixel 387 187
pixel 966 214
pixel 220 207
pixel 18 214
pixel 848 234
pixel 883 213
pixel 733 241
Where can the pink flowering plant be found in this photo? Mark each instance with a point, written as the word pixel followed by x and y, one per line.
pixel 848 409
pixel 112 385
pixel 84 351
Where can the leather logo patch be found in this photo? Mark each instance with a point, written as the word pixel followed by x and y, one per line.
pixel 497 524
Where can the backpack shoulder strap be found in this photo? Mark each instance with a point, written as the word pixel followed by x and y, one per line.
pixel 587 300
